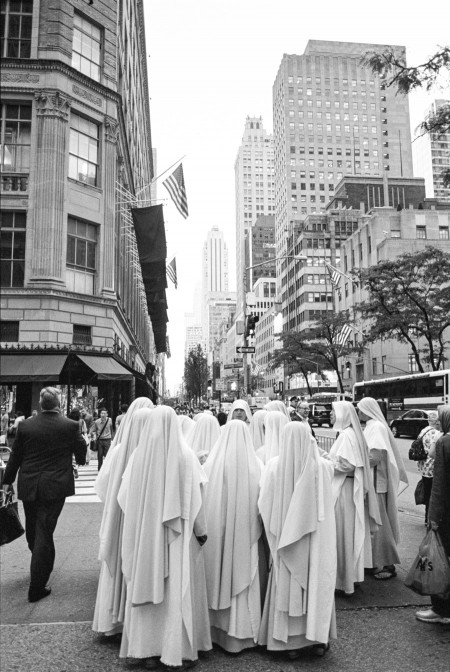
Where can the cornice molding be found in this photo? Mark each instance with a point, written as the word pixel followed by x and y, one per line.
pixel 52 104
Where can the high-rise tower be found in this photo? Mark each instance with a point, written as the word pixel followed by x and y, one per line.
pixel 431 152
pixel 254 188
pixel 332 117
pixel 215 262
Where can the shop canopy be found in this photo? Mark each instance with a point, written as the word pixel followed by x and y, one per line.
pixel 29 368
pixel 106 368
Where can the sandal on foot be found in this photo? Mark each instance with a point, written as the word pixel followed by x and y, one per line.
pixel 385 574
pixel 321 649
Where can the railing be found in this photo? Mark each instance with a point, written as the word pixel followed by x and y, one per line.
pixel 14 182
pixel 325 442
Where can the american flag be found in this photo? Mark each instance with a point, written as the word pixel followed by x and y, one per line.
pixel 177 190
pixel 334 274
pixel 342 336
pixel 257 369
pixel 171 269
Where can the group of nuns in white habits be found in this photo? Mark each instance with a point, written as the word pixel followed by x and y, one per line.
pixel 191 511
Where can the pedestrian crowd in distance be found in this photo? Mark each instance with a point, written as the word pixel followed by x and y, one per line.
pixel 240 533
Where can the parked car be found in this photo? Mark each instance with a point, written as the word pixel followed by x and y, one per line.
pixel 410 423
pixel 319 414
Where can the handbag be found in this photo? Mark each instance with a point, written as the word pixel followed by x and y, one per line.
pixel 417 452
pixel 10 526
pixel 430 571
pixel 419 492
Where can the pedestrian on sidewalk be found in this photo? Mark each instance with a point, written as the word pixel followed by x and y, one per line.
pixel 42 454
pixel 429 436
pixel 120 417
pixel 297 508
pixel 356 507
pixel 388 472
pixel 439 513
pixel 102 431
pixel 161 496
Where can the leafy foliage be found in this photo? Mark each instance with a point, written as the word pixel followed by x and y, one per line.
pixel 393 69
pixel 409 299
pixel 319 344
pixel 196 373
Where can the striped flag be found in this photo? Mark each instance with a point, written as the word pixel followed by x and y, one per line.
pixel 257 369
pixel 334 274
pixel 342 336
pixel 171 269
pixel 177 190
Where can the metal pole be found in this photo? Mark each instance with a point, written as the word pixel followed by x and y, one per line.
pixel 244 355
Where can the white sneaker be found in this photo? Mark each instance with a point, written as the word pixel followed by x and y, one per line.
pixel 430 616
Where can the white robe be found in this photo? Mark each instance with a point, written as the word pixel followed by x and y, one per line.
pixel 299 606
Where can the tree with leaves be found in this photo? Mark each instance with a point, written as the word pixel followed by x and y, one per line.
pixel 196 373
pixel 321 343
pixel 409 300
pixel 393 69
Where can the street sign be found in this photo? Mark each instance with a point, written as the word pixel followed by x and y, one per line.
pixel 238 360
pixel 245 348
pixel 237 370
pixel 231 366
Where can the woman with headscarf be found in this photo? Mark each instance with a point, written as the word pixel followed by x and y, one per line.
pixel 234 528
pixel 101 482
pixel 111 594
pixel 257 429
pixel 186 424
pixel 297 508
pixel 166 615
pixel 278 405
pixel 439 513
pixel 203 435
pixel 240 410
pixel 356 507
pixel 274 425
pixel 387 472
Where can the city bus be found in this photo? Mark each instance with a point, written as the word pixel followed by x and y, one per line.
pixel 425 391
pixel 329 397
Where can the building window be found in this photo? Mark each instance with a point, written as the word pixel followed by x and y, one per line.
pixel 443 232
pixel 16 20
pixel 374 366
pixel 383 363
pixel 82 335
pixel 412 364
pixel 12 248
pixel 86 47
pixel 81 256
pixel 9 331
pixel 84 150
pixel 15 140
pixel 421 232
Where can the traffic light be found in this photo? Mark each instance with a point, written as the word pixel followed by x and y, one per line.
pixel 251 325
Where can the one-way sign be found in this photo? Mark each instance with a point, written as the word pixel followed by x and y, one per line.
pixel 245 348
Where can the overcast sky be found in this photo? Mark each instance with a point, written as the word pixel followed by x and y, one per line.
pixel 211 64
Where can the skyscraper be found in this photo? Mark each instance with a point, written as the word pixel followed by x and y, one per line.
pixel 431 153
pixel 215 262
pixel 254 187
pixel 332 117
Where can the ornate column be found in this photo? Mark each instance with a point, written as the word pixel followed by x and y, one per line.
pixel 109 184
pixel 47 222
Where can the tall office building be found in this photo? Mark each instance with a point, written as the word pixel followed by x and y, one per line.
pixel 332 117
pixel 215 262
pixel 254 187
pixel 431 154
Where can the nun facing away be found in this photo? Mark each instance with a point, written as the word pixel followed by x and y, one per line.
pixel 234 528
pixel 278 405
pixel 274 422
pixel 111 592
pixel 297 507
pixel 203 435
pixel 387 472
pixel 166 614
pixel 257 428
pixel 356 506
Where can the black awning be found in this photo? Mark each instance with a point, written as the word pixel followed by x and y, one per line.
pixel 105 368
pixel 23 367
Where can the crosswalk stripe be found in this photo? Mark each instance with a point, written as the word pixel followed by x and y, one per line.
pixel 84 485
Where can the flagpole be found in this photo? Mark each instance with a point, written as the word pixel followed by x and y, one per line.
pixel 158 176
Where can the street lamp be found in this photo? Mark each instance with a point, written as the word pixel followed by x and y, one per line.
pixel 299 257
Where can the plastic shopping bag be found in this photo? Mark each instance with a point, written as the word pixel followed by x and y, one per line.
pixel 430 571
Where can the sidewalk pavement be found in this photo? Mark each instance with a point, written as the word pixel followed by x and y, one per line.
pixel 377 631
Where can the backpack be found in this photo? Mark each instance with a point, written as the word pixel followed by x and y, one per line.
pixel 417 452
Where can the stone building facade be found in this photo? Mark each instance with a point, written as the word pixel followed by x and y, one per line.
pixel 76 152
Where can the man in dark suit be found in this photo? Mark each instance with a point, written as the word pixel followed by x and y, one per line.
pixel 42 453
